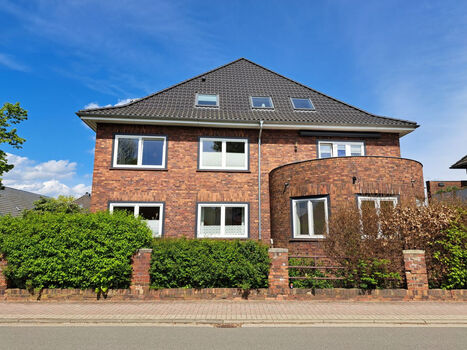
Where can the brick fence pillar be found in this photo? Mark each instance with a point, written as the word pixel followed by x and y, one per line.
pixel 141 263
pixel 279 272
pixel 415 272
pixel 3 263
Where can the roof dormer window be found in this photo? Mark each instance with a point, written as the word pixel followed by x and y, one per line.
pixel 207 100
pixel 302 104
pixel 261 102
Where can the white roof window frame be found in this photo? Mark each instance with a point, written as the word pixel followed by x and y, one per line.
pixel 348 147
pixel 312 109
pixel 223 205
pixel 139 163
pixel 311 227
pixel 206 106
pixel 224 141
pixel 138 205
pixel 261 108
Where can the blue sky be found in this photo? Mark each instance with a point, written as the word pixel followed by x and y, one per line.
pixel 404 59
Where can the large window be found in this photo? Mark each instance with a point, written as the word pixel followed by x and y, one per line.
pixel 207 100
pixel 371 207
pixel 261 102
pixel 133 151
pixel 223 154
pixel 151 213
pixel 228 220
pixel 302 104
pixel 327 149
pixel 310 217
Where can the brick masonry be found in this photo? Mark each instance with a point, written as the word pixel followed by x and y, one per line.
pixel 181 185
pixel 342 179
pixel 434 186
pixel 415 272
pixel 3 281
pixel 278 278
pixel 140 279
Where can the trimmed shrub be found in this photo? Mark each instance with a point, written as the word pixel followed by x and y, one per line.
pixel 183 263
pixel 82 250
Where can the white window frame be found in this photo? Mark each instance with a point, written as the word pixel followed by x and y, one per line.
pixel 223 153
pixel 378 200
pixel 302 109
pixel 222 206
pixel 348 149
pixel 258 96
pixel 208 106
pixel 311 226
pixel 136 211
pixel 139 162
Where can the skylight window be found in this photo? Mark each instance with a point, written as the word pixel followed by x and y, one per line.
pixel 302 103
pixel 207 100
pixel 261 102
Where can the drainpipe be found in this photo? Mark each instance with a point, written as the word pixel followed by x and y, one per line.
pixel 259 178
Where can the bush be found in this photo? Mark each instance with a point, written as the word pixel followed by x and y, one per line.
pixel 62 204
pixel 310 274
pixel 60 250
pixel 359 240
pixel 182 263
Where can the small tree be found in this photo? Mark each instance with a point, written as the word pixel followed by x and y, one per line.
pixel 10 114
pixel 62 204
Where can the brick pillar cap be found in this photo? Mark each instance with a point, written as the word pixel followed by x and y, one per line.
pixel 278 250
pixel 413 251
pixel 145 250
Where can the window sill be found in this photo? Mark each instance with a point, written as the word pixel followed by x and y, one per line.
pixel 224 238
pixel 313 239
pixel 138 168
pixel 222 171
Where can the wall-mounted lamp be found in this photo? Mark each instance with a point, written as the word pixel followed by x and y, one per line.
pixel 286 184
pixel 354 180
pixel 296 147
pixel 413 182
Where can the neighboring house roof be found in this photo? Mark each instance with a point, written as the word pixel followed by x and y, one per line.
pixel 235 82
pixel 84 201
pixel 13 201
pixel 460 164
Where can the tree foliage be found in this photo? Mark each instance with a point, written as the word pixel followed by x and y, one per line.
pixel 10 114
pixel 62 204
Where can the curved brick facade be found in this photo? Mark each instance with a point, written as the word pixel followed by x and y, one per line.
pixel 378 175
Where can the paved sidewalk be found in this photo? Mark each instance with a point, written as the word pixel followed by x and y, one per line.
pixel 237 312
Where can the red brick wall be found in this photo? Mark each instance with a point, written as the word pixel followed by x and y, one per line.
pixel 433 186
pixel 181 186
pixel 3 282
pixel 334 177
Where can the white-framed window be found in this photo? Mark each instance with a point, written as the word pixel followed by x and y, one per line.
pixel 327 149
pixel 138 151
pixel 207 100
pixel 225 220
pixel 223 154
pixel 302 104
pixel 151 213
pixel 261 102
pixel 370 205
pixel 310 217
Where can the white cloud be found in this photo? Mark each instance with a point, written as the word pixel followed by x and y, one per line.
pixel 120 102
pixel 125 101
pixel 45 178
pixel 9 62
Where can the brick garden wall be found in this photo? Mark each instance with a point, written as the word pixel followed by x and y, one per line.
pixel 181 186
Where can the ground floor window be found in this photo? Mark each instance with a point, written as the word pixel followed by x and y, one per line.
pixel 226 220
pixel 151 213
pixel 310 217
pixel 371 207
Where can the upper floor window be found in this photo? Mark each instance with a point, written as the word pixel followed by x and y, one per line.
pixel 223 154
pixel 310 217
pixel 133 151
pixel 302 103
pixel 208 100
pixel 340 149
pixel 261 102
pixel 226 220
pixel 151 213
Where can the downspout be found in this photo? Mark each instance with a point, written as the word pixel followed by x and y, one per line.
pixel 259 178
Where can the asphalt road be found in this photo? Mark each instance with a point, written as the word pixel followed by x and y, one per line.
pixel 147 337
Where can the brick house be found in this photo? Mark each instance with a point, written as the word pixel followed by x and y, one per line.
pixel 244 152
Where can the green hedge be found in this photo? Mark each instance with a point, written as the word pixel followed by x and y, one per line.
pixel 182 263
pixel 83 250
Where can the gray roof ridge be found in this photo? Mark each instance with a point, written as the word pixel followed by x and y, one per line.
pixel 17 189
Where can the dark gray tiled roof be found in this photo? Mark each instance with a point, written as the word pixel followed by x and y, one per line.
pixel 13 201
pixel 460 164
pixel 84 201
pixel 235 82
